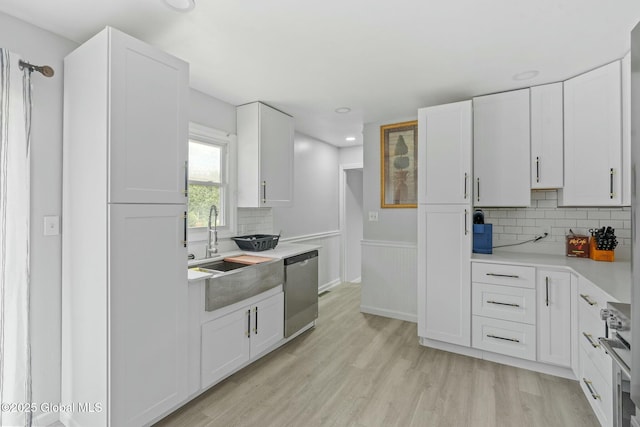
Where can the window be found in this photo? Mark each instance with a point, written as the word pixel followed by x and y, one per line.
pixel 211 160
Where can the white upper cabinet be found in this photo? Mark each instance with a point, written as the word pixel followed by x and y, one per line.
pixel 546 136
pixel 444 151
pixel 592 138
pixel 265 156
pixel 626 129
pixel 501 151
pixel 147 114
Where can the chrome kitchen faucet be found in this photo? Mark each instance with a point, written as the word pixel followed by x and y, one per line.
pixel 214 249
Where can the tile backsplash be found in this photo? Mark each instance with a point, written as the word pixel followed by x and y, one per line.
pixel 544 215
pixel 255 221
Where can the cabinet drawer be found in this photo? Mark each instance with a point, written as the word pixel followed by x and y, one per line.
pixel 504 302
pixel 590 328
pixel 503 274
pixel 592 297
pixel 500 336
pixel 597 390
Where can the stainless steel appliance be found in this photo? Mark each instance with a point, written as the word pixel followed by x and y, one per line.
pixel 618 344
pixel 300 291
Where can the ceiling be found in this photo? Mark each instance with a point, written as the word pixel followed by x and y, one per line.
pixel 382 59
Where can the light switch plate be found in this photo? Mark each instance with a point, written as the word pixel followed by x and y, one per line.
pixel 373 215
pixel 51 225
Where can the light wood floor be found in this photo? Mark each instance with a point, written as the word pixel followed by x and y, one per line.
pixel 356 369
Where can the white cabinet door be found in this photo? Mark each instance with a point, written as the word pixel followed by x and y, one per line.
pixel 148 312
pixel 445 133
pixel 501 150
pixel 267 324
pixel 546 136
pixel 592 138
pixel 444 273
pixel 276 157
pixel 626 129
pixel 148 123
pixel 554 317
pixel 225 345
pixel 265 156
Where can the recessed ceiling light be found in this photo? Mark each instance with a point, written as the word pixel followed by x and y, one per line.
pixel 181 5
pixel 343 110
pixel 526 75
pixel 350 138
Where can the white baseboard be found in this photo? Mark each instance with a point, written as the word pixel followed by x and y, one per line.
pixel 530 365
pixel 358 280
pixel 389 313
pixel 330 285
pixel 45 419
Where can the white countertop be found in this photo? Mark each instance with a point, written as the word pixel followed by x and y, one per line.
pixel 283 250
pixel 612 277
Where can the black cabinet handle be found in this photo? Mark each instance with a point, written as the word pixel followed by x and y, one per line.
pixel 248 323
pixel 478 193
pixel 255 331
pixel 502 338
pixel 611 195
pixel 184 229
pixel 186 179
pixel 466 178
pixel 537 169
pixel 546 279
pixel 264 191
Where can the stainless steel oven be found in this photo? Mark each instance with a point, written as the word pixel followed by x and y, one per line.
pixel 617 343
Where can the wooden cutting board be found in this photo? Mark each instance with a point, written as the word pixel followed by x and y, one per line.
pixel 248 259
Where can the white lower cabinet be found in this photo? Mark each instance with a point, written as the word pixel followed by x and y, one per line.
pixel 597 389
pixel 444 276
pixel 232 340
pixel 504 337
pixel 554 317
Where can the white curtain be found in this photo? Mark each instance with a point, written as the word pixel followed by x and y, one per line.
pixel 15 352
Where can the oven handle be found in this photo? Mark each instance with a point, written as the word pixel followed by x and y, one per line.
pixel 609 349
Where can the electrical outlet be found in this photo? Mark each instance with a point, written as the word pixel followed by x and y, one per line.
pixel 51 225
pixel 373 215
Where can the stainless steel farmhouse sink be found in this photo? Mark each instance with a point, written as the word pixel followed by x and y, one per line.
pixel 235 282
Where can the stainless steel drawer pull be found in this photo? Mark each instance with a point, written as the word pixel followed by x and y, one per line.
pixel 503 303
pixel 502 338
pixel 589 385
pixel 589 338
pixel 513 276
pixel 588 300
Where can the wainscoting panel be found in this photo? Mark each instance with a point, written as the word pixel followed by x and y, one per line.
pixel 389 279
pixel 329 256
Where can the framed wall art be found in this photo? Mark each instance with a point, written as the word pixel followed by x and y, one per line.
pixel 398 165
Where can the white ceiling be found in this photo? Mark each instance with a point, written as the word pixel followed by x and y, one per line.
pixel 383 59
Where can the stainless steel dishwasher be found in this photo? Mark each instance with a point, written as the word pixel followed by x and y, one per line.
pixel 300 291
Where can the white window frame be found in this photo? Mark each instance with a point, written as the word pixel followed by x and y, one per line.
pixel 209 135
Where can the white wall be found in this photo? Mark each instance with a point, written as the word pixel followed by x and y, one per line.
pixel 353 224
pixel 314 217
pixel 211 112
pixel 351 155
pixel 389 242
pixel 41 47
pixel 315 190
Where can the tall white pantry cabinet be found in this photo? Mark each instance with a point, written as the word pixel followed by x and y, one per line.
pixel 445 223
pixel 124 292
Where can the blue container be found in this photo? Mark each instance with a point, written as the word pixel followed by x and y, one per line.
pixel 482 238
